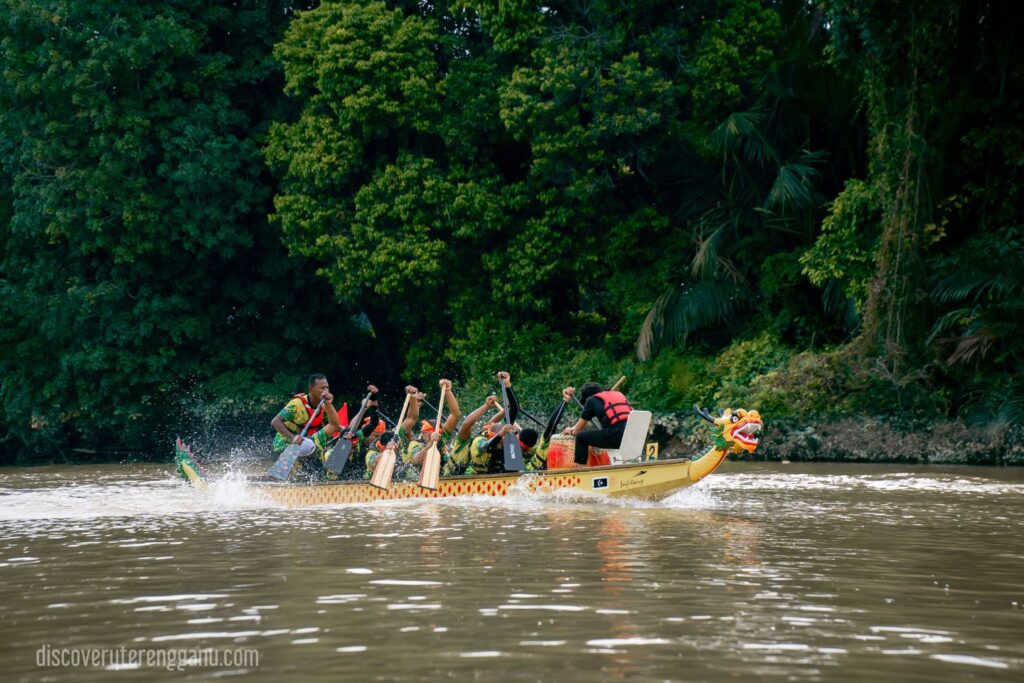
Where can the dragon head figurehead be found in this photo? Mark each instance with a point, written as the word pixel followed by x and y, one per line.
pixel 735 431
pixel 186 466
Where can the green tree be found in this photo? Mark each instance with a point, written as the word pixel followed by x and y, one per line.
pixel 757 180
pixel 901 51
pixel 944 169
pixel 137 263
pixel 464 199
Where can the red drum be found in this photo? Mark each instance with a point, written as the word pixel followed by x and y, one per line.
pixel 560 452
pixel 563 448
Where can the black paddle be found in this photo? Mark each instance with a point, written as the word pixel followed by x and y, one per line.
pixel 387 420
pixel 522 410
pixel 286 461
pixel 535 419
pixel 593 420
pixel 558 418
pixel 339 454
pixel 510 447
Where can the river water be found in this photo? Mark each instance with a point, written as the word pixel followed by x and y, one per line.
pixel 761 572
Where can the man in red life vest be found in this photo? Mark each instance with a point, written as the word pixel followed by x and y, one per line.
pixel 293 417
pixel 611 408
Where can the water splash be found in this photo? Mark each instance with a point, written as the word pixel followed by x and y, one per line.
pixel 113 491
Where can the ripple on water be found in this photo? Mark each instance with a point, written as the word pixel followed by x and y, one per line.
pixel 895 482
pixel 771 574
pixel 971 661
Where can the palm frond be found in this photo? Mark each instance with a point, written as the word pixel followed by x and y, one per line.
pixel 742 135
pixel 730 270
pixel 993 399
pixel 738 125
pixel 839 305
pixel 794 186
pixel 688 308
pixel 965 284
pixel 947 321
pixel 1011 410
pixel 706 255
pixel 970 345
pixel 758 150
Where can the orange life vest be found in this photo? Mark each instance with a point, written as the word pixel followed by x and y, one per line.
pixel 616 406
pixel 318 422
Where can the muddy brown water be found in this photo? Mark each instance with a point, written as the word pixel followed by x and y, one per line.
pixel 761 572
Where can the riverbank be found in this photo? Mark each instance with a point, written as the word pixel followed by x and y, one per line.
pixel 855 439
pixel 862 439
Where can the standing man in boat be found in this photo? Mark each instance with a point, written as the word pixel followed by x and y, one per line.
pixel 611 408
pixel 288 423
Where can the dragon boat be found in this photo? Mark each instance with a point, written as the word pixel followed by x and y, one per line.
pixel 631 477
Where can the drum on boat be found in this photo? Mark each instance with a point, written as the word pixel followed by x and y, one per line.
pixel 562 449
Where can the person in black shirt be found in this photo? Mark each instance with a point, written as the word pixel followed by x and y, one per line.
pixel 611 408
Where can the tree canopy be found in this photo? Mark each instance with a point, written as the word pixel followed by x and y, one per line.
pixel 806 206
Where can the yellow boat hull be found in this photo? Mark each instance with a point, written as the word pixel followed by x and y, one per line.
pixel 651 480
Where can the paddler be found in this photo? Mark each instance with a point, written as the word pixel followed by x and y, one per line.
pixel 288 423
pixel 388 438
pixel 535 446
pixel 462 446
pixel 483 454
pixel 611 408
pixel 365 436
pixel 416 451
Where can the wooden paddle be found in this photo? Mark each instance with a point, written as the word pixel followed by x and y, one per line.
pixel 385 467
pixel 430 471
pixel 286 461
pixel 510 448
pixel 339 454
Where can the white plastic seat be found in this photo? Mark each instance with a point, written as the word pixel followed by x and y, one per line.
pixel 633 439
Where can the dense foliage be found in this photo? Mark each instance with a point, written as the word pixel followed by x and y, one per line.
pixel 806 207
pixel 139 273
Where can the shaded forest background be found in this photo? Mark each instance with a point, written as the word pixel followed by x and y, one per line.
pixel 809 208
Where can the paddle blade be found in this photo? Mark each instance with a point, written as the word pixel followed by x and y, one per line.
pixel 430 473
pixel 384 470
pixel 343 415
pixel 513 453
pixel 281 469
pixel 338 456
